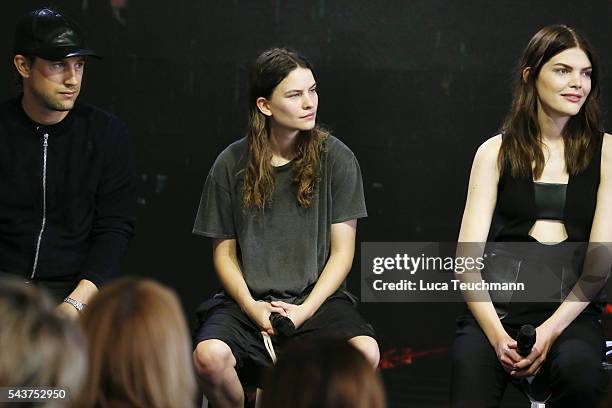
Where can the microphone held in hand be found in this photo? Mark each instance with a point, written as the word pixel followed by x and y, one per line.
pixel 282 324
pixel 525 340
pixel 535 387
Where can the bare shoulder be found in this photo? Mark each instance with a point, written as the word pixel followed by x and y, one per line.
pixel 606 156
pixel 489 150
pixel 606 148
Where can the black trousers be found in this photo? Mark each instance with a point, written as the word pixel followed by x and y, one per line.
pixel 57 289
pixel 572 368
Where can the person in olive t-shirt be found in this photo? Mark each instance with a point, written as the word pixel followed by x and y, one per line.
pixel 282 206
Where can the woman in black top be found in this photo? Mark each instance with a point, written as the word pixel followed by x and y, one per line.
pixel 547 178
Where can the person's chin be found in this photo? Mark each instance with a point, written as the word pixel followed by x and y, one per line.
pixel 573 112
pixel 567 110
pixel 308 126
pixel 571 108
pixel 65 106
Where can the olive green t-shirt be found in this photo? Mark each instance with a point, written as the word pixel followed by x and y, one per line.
pixel 283 248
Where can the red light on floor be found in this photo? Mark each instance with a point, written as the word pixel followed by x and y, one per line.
pixel 394 357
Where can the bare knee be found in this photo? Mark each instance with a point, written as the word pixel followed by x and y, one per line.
pixel 368 347
pixel 211 358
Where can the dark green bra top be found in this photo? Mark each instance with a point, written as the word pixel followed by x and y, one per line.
pixel 549 200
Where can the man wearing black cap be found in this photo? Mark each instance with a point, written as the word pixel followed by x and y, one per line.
pixel 66 174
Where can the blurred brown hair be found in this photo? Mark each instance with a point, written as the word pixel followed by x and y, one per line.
pixel 322 373
pixel 139 348
pixel 39 348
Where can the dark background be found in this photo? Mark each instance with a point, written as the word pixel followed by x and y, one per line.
pixel 413 87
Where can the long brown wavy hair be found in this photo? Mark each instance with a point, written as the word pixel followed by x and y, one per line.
pixel 522 145
pixel 270 68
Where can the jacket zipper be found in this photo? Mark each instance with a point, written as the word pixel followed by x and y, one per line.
pixel 44 215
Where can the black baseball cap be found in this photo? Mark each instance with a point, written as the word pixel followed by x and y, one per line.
pixel 50 35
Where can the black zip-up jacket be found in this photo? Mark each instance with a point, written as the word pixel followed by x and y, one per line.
pixel 66 194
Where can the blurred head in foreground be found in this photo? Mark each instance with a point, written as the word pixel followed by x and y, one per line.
pixel 139 348
pixel 322 373
pixel 39 348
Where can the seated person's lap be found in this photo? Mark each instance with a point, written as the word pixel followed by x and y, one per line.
pixel 575 356
pixel 224 320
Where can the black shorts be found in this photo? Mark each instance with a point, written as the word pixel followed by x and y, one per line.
pixel 222 319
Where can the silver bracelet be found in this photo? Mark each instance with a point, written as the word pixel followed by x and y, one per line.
pixel 77 305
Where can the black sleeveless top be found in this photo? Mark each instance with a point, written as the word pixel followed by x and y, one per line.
pixel 516 210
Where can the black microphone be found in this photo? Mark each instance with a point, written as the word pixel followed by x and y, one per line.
pixel 535 387
pixel 282 324
pixel 525 340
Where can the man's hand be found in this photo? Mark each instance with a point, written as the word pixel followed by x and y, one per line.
pixel 297 313
pixel 83 293
pixel 67 311
pixel 260 313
